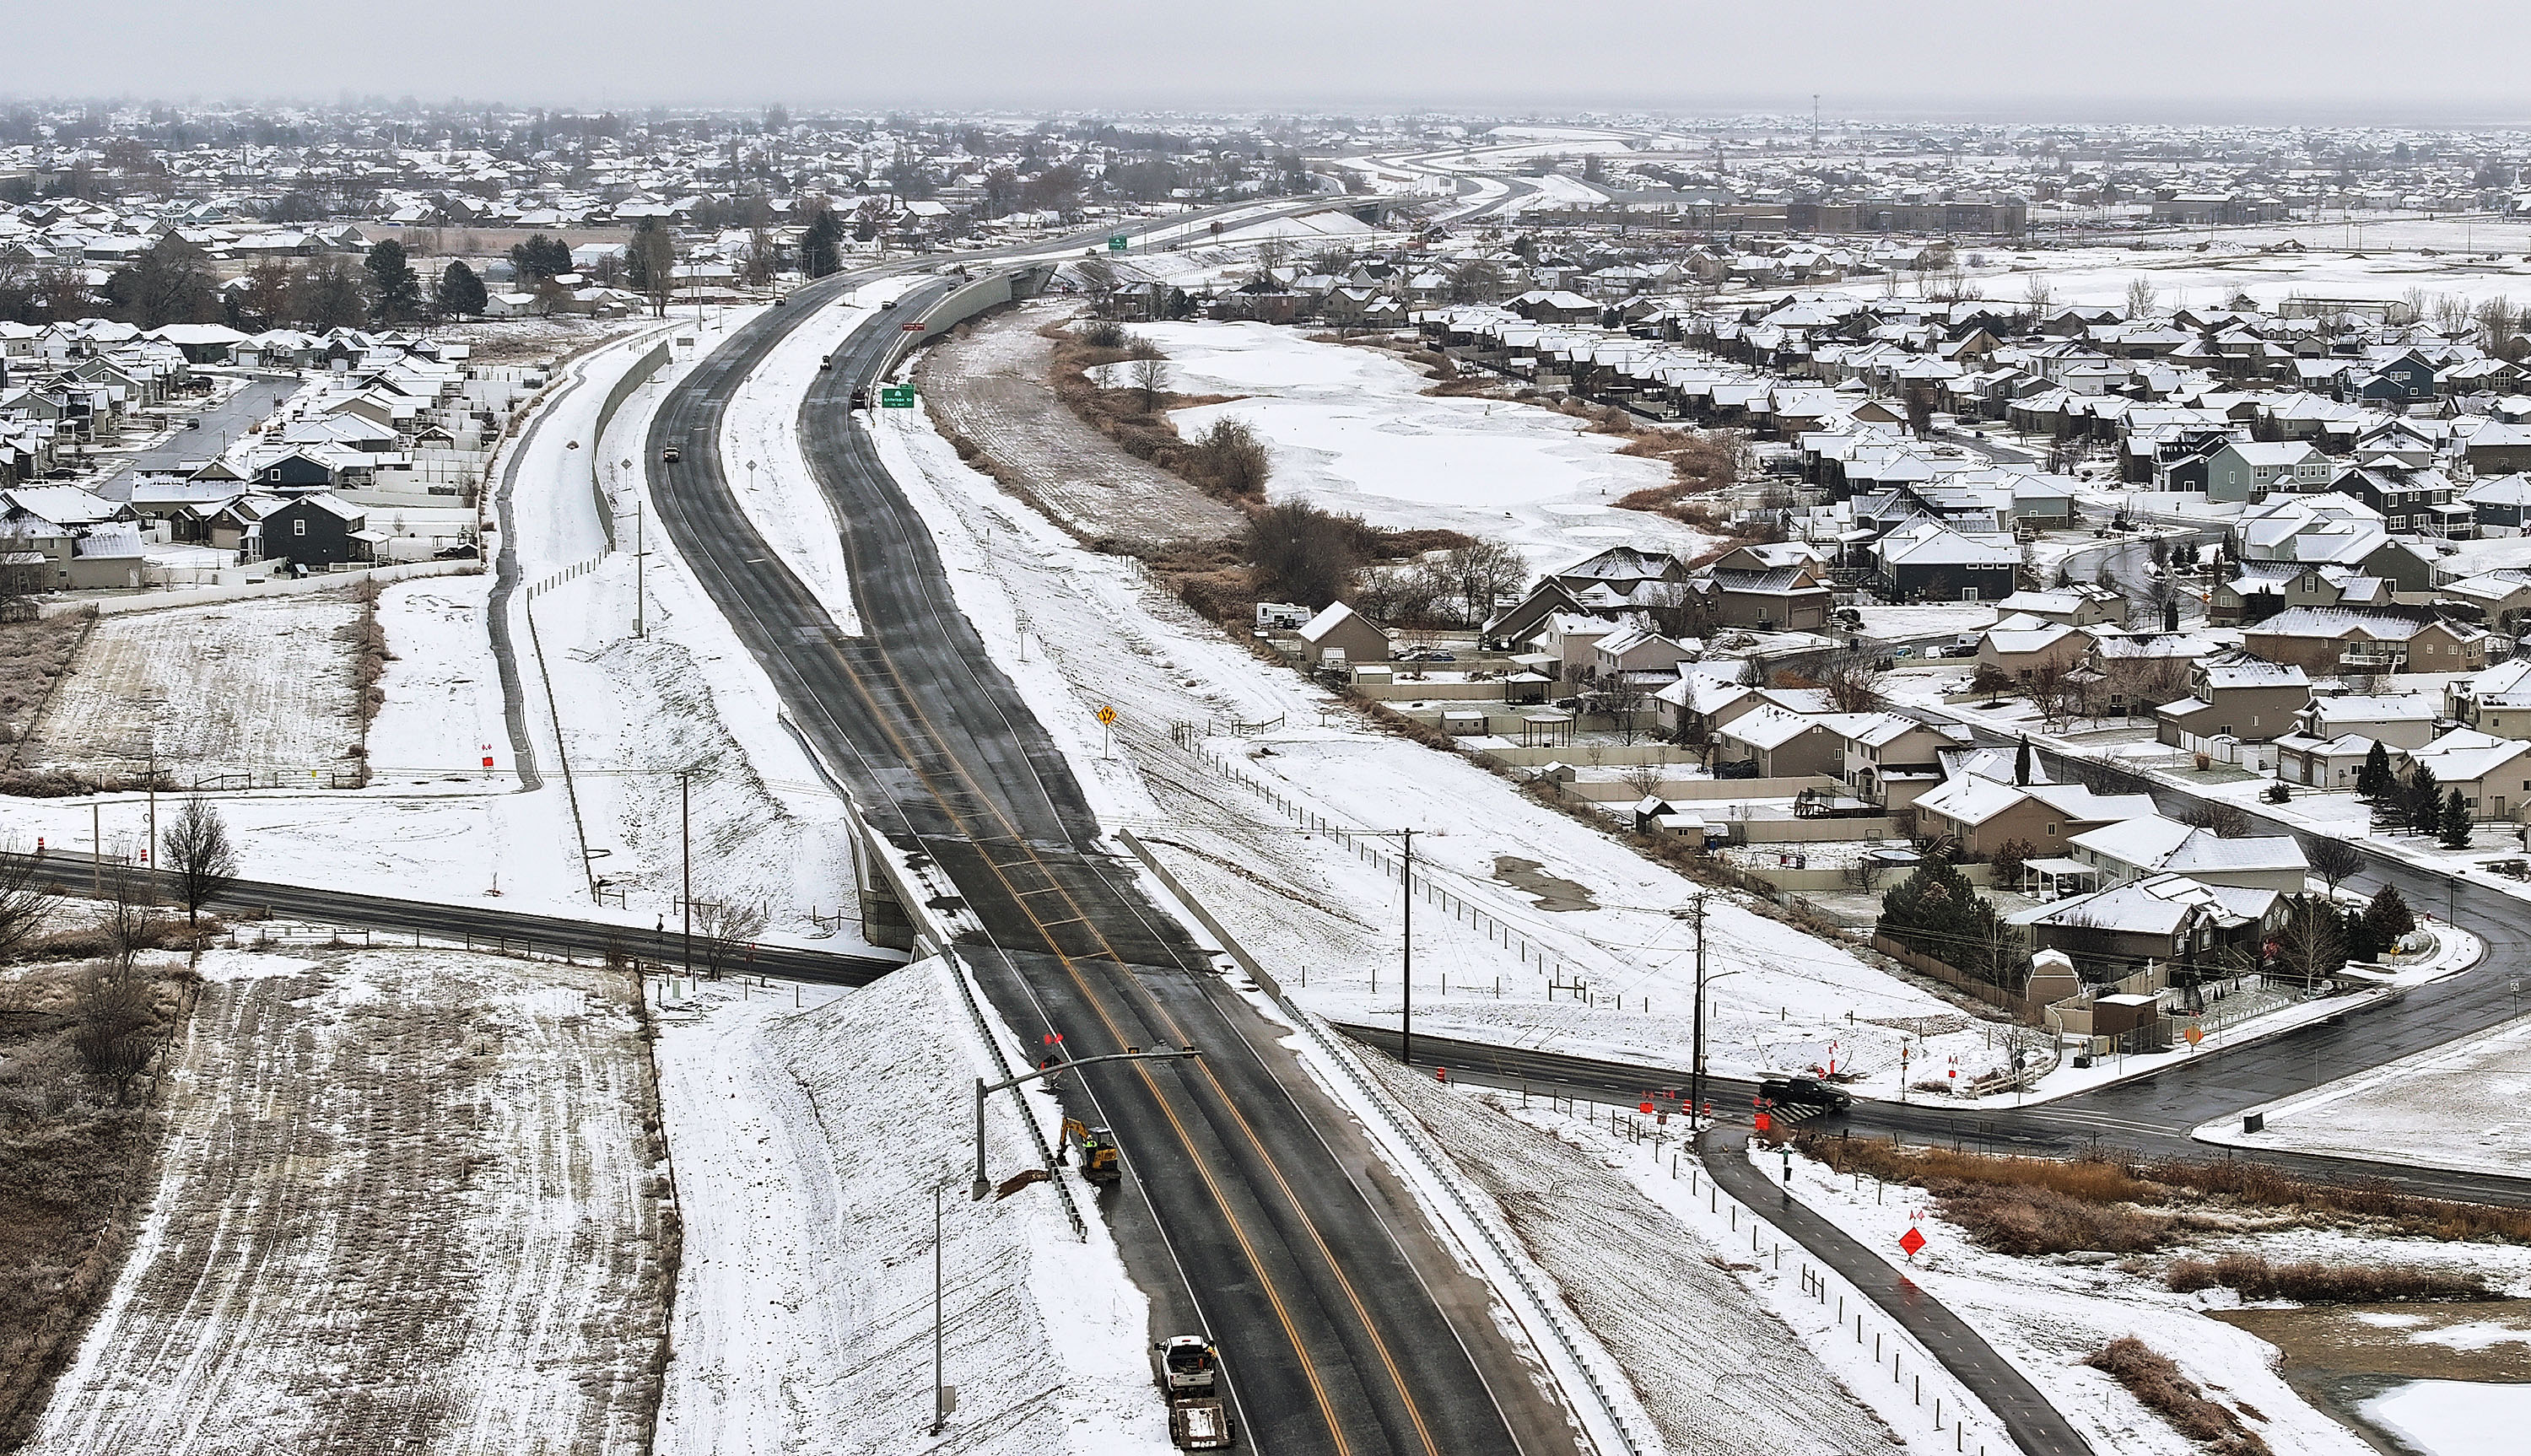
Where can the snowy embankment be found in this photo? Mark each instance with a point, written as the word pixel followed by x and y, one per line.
pixel 1670 1306
pixel 1077 630
pixel 1351 429
pixel 407 1199
pixel 2461 1105
pixel 808 1145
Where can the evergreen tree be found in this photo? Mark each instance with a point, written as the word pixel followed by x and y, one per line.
pixel 2425 801
pixel 2455 821
pixel 395 290
pixel 538 259
pixel 2388 919
pixel 2023 762
pixel 822 245
pixel 2374 778
pixel 460 293
pixel 1936 912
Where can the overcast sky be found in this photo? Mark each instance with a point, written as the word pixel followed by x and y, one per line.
pixel 2329 61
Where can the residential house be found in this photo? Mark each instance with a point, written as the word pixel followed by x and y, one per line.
pixel 2495 505
pixel 2024 647
pixel 2235 695
pixel 2158 920
pixel 1893 760
pixel 1779 587
pixel 2075 604
pixel 2331 639
pixel 1339 634
pixel 314 531
pixel 2497 448
pixel 1983 815
pixel 2497 701
pixel 1930 561
pixel 2141 847
pixel 2492 774
pixel 2253 470
pixel 1786 744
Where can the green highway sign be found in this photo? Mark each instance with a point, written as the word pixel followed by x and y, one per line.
pixel 896 397
pixel 1118 243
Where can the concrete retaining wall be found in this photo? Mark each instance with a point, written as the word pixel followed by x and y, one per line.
pixel 639 375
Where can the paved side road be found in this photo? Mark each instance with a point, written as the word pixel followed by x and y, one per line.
pixel 2034 1423
pixel 490 926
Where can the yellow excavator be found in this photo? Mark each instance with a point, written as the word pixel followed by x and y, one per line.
pixel 1097 1151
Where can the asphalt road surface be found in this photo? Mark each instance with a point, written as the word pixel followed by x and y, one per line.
pixel 1342 1328
pixel 2034 1424
pixel 223 425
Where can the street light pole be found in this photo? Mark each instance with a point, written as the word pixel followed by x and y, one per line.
pixel 1696 1025
pixel 985 1089
pixel 1406 980
pixel 686 834
pixel 939 1388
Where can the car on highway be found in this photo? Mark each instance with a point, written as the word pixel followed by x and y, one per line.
pixel 887 302
pixel 1805 1092
pixel 861 399
pixel 193 424
pixel 669 455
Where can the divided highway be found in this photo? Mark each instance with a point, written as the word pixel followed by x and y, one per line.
pixel 1344 1328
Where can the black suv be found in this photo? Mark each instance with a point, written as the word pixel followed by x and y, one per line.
pixel 1804 1092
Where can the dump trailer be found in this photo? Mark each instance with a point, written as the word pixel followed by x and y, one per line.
pixel 1199 1423
pixel 1099 1161
pixel 1189 1377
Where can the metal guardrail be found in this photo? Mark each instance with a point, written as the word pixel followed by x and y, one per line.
pixel 1449 1182
pixel 959 974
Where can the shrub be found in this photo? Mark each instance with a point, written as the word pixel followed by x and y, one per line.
pixel 1102 333
pixel 2151 1377
pixel 2310 1282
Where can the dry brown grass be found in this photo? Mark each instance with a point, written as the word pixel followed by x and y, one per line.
pixel 2309 1283
pixel 2029 1204
pixel 33 655
pixel 72 1162
pixel 2152 1378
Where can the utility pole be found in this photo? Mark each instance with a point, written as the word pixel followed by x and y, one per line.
pixel 940 1389
pixel 150 859
pixel 1406 980
pixel 640 559
pixel 686 834
pixel 1696 1023
pixel 96 846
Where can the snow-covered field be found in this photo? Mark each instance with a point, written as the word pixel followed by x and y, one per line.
pixel 407 1201
pixel 259 686
pixel 1318 912
pixel 1352 430
pixel 2465 1105
pixel 808 1145
pixel 2453 1417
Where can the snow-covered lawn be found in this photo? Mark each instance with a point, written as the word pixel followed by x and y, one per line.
pixel 808 1145
pixel 260 687
pixel 406 1197
pixel 1322 914
pixel 2465 1104
pixel 1352 430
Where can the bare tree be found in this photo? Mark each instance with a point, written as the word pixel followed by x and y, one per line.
pixel 25 905
pixel 1621 698
pixel 2226 820
pixel 2311 943
pixel 2334 860
pixel 116 1017
pixel 1151 378
pixel 2036 296
pixel 724 928
pixel 1645 779
pixel 198 850
pixel 2140 296
pixel 1480 572
pixel 1852 681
